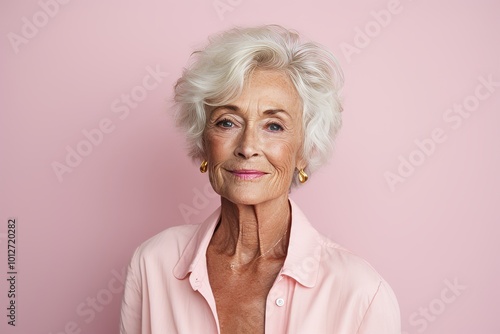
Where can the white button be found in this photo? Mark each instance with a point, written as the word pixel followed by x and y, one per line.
pixel 280 302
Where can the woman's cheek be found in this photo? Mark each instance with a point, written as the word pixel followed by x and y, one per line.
pixel 217 146
pixel 283 155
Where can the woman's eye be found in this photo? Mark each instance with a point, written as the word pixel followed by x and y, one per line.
pixel 275 127
pixel 225 123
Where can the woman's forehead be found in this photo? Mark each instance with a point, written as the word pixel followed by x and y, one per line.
pixel 270 91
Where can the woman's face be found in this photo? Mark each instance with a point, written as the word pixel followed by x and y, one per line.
pixel 253 144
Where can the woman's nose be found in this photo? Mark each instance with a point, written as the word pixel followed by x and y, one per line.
pixel 248 143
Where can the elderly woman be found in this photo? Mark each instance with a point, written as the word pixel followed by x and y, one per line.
pixel 260 109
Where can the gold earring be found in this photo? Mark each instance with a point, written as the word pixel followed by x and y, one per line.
pixel 302 176
pixel 204 166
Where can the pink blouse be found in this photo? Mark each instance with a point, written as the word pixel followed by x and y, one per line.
pixel 322 287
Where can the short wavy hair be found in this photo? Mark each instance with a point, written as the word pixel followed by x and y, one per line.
pixel 216 76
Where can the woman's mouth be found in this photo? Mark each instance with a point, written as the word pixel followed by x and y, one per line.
pixel 247 174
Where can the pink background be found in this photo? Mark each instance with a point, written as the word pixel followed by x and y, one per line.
pixel 437 227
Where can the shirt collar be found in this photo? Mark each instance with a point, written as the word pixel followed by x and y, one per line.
pixel 303 258
pixel 302 262
pixel 193 259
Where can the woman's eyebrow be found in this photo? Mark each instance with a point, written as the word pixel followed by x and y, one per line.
pixel 227 106
pixel 275 111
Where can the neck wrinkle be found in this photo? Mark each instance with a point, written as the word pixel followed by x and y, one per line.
pixel 248 231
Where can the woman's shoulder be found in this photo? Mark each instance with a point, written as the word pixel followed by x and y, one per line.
pixel 333 260
pixel 352 279
pixel 169 242
pixel 345 264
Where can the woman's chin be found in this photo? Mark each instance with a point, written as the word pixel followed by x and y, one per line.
pixel 250 198
pixel 245 200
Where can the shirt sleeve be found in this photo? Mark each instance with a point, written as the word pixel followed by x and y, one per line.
pixel 131 310
pixel 383 315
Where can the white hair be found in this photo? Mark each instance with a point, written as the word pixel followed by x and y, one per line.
pixel 217 74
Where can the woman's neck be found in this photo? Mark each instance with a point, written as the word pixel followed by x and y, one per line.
pixel 249 232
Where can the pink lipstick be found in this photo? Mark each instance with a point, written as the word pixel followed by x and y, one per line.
pixel 247 174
